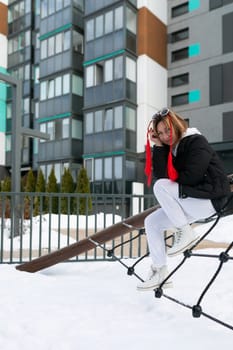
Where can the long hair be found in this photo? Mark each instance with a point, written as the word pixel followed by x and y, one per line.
pixel 179 125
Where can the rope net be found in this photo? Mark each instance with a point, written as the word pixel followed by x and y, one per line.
pixel 222 258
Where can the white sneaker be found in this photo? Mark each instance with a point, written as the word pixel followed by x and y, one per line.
pixel 155 278
pixel 184 238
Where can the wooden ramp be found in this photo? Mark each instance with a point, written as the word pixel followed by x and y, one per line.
pixel 107 234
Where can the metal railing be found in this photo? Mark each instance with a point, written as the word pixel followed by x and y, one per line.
pixel 36 224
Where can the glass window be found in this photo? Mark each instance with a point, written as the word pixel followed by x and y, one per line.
pixel 66 83
pixel 108 168
pixel 58 41
pixel 51 46
pixel 77 130
pixel 89 123
pixel 50 130
pixel 130 118
pixel 65 128
pixel 51 4
pixel 99 26
pixel 43 90
pixel 180 99
pixel 77 42
pixel 44 7
pixel 77 85
pixel 26 106
pixel 180 35
pixel 130 69
pixel 26 75
pixel 66 40
pixel 36 109
pixel 98 169
pixel 118 67
pixel 180 54
pixel 108 70
pixel 51 88
pixel 180 9
pixel 131 20
pixel 98 121
pixel 98 73
pixel 27 38
pixel 58 86
pixel 118 162
pixel 108 119
pixel 90 30
pixel 108 22
pixel 43 49
pixel 89 76
pixel 8 143
pixel 89 167
pixel 179 80
pixel 119 18
pixel 58 5
pixel 118 117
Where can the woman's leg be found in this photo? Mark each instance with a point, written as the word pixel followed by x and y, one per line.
pixel 181 211
pixel 155 225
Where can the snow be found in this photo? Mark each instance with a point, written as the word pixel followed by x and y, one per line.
pixel 95 305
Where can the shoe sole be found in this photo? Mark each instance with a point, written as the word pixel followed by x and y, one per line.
pixel 184 248
pixel 166 285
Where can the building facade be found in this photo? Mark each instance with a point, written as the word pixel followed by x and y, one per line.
pixel 94 72
pixel 200 69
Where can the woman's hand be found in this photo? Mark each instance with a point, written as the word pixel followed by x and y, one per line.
pixel 154 138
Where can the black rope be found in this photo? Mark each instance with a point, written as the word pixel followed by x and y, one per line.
pixel 223 257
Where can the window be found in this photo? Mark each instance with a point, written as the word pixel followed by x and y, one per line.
pixel 213 4
pixel 94 74
pixel 66 84
pixel 98 169
pixel 180 35
pixel 118 167
pixel 118 67
pixel 77 129
pixel 77 85
pixel 227 126
pixel 108 22
pixel 130 69
pixel 108 119
pixel 180 99
pixel 77 42
pixel 58 86
pixel 108 70
pixel 119 18
pixel 130 118
pixel 227 28
pixel 89 123
pixel 51 46
pixel 98 121
pixel 90 30
pixel 58 43
pixel 118 117
pixel 179 80
pixel 221 83
pixel 131 20
pixel 51 88
pixel 108 168
pixel 180 54
pixel 99 26
pixel 65 132
pixel 180 9
pixel 66 39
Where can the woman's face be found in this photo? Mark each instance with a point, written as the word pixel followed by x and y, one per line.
pixel 163 132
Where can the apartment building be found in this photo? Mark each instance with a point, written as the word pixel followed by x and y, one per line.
pixel 94 72
pixel 200 69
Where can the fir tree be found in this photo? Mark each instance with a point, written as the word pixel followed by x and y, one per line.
pixel 67 186
pixel 30 185
pixel 52 187
pixel 39 202
pixel 83 203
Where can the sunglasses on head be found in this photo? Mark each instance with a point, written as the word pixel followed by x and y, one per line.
pixel 162 113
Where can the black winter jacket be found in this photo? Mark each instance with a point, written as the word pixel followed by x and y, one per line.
pixel 201 173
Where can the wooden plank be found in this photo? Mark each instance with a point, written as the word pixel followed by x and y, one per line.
pixel 107 234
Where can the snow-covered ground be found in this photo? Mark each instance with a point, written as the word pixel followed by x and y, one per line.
pixel 95 305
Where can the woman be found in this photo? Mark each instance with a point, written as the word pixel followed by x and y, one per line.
pixel 190 185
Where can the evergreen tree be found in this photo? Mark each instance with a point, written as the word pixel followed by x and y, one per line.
pixel 67 186
pixel 39 202
pixel 6 184
pixel 83 204
pixel 30 185
pixel 52 187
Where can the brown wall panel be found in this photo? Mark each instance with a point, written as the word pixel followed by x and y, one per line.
pixel 152 37
pixel 3 19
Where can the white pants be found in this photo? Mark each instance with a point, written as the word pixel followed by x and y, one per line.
pixel 174 212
